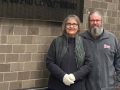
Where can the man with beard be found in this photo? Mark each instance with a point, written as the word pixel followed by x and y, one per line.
pixel 105 53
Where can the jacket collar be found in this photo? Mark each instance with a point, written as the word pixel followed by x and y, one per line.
pixel 104 35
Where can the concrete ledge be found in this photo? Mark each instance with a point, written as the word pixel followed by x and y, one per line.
pixel 41 88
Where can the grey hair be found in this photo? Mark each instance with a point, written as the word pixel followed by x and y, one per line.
pixel 67 18
pixel 94 12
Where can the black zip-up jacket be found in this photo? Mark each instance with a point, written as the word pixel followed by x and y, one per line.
pixel 68 66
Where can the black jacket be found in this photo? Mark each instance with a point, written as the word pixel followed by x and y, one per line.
pixel 68 66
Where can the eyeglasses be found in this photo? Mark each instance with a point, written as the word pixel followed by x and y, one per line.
pixel 70 24
pixel 95 20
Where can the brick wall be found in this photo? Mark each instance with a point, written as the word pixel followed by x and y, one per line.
pixel 23 48
pixel 110 10
pixel 24 44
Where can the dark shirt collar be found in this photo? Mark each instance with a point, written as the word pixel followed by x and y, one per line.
pixel 70 39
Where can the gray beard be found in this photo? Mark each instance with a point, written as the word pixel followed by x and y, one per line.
pixel 96 31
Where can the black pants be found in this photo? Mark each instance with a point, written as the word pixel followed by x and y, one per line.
pixel 50 89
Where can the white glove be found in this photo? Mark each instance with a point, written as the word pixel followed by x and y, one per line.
pixel 71 77
pixel 67 81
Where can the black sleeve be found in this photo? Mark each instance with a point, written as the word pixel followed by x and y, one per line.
pixel 87 65
pixel 117 65
pixel 51 62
